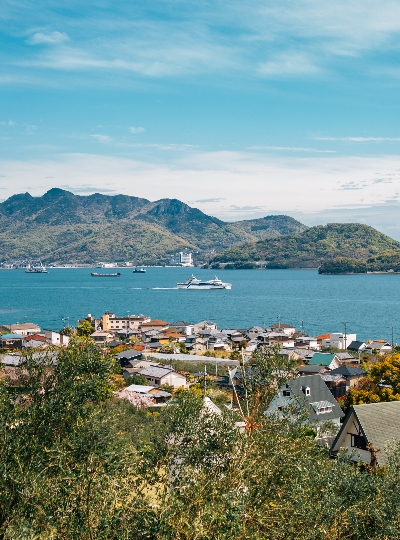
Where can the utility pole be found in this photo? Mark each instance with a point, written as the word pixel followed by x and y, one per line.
pixel 392 338
pixel 128 327
pixel 205 382
pixel 279 322
pixel 302 328
pixel 345 335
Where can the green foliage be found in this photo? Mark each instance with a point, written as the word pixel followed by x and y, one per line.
pixel 84 329
pixel 313 246
pixel 136 378
pixel 343 265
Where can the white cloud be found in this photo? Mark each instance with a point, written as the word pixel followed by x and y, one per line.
pixel 52 37
pixel 357 139
pixel 136 130
pixel 101 138
pixel 291 149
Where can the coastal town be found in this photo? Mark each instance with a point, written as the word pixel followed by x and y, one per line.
pixel 159 358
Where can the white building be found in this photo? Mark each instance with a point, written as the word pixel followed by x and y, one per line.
pixel 56 338
pixel 23 329
pixel 338 340
pixel 183 259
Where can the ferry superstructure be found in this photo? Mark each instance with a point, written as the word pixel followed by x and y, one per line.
pixel 196 284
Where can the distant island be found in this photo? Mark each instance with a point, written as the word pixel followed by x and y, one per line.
pixel 63 228
pixel 334 248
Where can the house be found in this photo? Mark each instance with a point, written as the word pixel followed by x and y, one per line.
pixel 23 329
pixel 338 340
pixel 347 358
pixel 311 392
pixel 306 342
pixel 35 340
pixel 11 360
pixel 328 360
pixel 183 327
pixel 158 375
pixel 337 384
pixel 311 370
pixel 351 374
pixel 155 394
pixel 56 338
pixel 112 322
pixel 205 325
pixel 158 325
pixel 126 358
pixel 376 424
pixel 380 346
pixel 11 341
pixel 287 329
pixel 134 367
pixel 102 337
pixel 357 346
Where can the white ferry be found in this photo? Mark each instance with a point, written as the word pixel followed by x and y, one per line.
pixel 194 283
pixel 37 268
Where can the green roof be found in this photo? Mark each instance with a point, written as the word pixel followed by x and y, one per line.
pixel 323 359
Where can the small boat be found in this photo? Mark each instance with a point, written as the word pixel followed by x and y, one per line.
pixel 139 270
pixel 95 274
pixel 35 268
pixel 194 283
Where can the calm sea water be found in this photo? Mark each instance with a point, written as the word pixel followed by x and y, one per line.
pixel 369 303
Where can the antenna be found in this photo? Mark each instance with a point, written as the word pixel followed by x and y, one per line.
pixel 392 338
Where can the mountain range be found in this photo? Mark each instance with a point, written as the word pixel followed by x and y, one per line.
pixel 62 227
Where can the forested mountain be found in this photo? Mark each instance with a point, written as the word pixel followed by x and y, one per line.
pixel 312 247
pixel 63 227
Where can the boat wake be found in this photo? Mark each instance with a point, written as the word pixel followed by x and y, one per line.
pixel 163 288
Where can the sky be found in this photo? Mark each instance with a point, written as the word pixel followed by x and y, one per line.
pixel 242 109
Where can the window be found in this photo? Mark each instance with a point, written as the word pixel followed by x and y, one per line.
pixel 358 441
pixel 323 410
pixel 286 393
pixel 306 390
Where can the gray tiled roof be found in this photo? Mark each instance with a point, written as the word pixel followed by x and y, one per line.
pixel 312 369
pixel 380 423
pixel 156 371
pixel 348 371
pixel 318 392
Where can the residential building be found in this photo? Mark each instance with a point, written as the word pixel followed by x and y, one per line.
pixel 157 324
pixel 23 329
pixel 182 259
pixel 56 338
pixel 158 375
pixel 112 322
pixel 380 346
pixel 11 341
pixel 357 346
pixel 205 325
pixel 126 358
pixel 186 328
pixel 338 340
pixel 101 337
pixel 287 329
pixel 376 424
pixel 351 374
pixel 155 394
pixel 306 342
pixel 34 341
pixel 311 370
pixel 311 392
pixel 337 384
pixel 328 360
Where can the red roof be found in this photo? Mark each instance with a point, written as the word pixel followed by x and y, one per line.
pixel 35 337
pixel 324 336
pixel 157 322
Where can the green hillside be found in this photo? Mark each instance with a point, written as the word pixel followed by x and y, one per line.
pixel 62 227
pixel 312 247
pixel 384 262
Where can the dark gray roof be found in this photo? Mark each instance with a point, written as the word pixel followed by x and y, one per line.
pixel 348 371
pixel 319 393
pixel 355 345
pixel 282 325
pixel 380 423
pixel 181 323
pixel 312 369
pixel 156 371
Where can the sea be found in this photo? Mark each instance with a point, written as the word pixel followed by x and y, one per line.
pixel 369 303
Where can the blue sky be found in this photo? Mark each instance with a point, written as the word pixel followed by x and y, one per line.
pixel 242 109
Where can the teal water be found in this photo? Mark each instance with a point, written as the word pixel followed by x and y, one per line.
pixel 369 303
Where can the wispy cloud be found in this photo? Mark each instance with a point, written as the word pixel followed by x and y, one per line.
pixel 52 37
pixel 212 200
pixel 357 139
pixel 291 149
pixel 101 138
pixel 136 130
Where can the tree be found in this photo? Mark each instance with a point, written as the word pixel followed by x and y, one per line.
pixel 136 378
pixel 388 370
pixel 84 329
